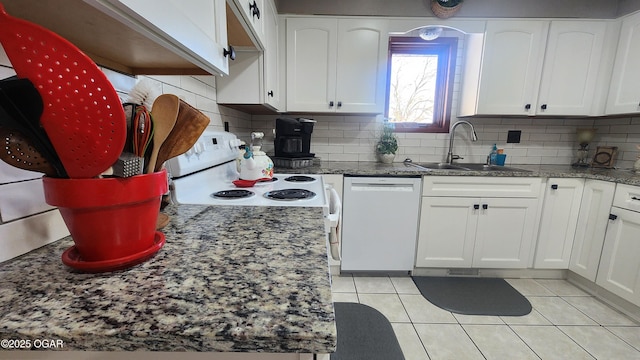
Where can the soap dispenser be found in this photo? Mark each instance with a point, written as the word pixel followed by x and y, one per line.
pixel 493 155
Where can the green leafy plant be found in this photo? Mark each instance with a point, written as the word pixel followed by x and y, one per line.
pixel 449 3
pixel 388 143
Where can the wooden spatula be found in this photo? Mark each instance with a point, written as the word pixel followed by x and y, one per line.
pixel 165 113
pixel 190 124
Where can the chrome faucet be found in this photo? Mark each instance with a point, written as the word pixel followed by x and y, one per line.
pixel 474 137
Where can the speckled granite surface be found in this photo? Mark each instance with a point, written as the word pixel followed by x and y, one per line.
pixel 378 169
pixel 232 279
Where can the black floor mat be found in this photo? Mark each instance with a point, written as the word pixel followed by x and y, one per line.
pixel 473 296
pixel 364 334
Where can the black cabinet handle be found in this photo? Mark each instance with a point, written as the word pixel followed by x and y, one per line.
pixel 612 217
pixel 254 9
pixel 635 198
pixel 543 107
pixel 476 206
pixel 485 206
pixel 339 103
pixel 270 93
pixel 330 103
pixel 554 186
pixel 231 52
pixel 527 107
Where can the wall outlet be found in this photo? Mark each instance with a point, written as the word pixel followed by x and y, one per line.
pixel 513 136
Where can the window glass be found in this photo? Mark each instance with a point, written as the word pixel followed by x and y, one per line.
pixel 420 83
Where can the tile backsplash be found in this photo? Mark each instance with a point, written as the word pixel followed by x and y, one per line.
pixel 543 140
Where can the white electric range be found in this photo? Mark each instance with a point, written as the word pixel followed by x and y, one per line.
pixel 205 174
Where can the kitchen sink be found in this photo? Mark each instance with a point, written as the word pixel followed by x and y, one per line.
pixel 438 166
pixel 485 167
pixel 466 167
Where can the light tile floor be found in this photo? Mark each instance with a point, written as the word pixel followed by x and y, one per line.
pixel 566 323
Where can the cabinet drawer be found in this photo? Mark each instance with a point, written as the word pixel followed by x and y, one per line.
pixel 481 186
pixel 627 197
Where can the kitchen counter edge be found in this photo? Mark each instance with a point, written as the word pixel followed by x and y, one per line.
pixel 369 168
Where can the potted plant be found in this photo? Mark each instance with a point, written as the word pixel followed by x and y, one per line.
pixel 387 144
pixel 445 8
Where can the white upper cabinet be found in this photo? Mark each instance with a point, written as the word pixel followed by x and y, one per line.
pixel 254 77
pixel 571 67
pixel 511 67
pixel 195 29
pixel 535 68
pixel 311 63
pixel 336 65
pixel 624 92
pixel 272 90
pixel 252 17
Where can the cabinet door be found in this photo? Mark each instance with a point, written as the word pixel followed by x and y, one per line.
pixel 619 270
pixel 447 232
pixel 196 29
pixel 311 64
pixel 361 67
pixel 624 92
pixel 271 56
pixel 571 65
pixel 254 13
pixel 511 67
pixel 506 229
pixel 591 227
pixel 560 209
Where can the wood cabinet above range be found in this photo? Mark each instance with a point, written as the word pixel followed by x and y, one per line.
pixel 182 38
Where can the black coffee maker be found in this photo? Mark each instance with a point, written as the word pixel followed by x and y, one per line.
pixel 293 138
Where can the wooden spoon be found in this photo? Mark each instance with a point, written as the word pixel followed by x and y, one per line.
pixel 17 151
pixel 164 112
pixel 190 124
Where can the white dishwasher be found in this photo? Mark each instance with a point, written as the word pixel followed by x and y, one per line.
pixel 379 223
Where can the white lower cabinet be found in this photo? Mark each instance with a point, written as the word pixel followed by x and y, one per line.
pixel 560 210
pixel 595 207
pixel 619 270
pixel 505 233
pixel 447 232
pixel 460 230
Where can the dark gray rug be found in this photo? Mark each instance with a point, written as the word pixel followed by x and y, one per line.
pixel 364 334
pixel 473 296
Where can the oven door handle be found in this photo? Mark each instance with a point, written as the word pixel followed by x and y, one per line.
pixel 335 209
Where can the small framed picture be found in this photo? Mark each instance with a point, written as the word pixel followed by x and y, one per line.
pixel 605 157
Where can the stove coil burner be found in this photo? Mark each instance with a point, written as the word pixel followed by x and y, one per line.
pixel 299 178
pixel 290 194
pixel 232 194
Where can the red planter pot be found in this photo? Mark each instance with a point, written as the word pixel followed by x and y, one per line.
pixel 110 218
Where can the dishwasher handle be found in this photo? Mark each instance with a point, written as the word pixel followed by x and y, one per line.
pixel 387 187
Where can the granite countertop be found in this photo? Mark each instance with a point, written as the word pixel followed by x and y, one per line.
pixel 364 168
pixel 229 279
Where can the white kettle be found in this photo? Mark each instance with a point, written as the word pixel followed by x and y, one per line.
pixel 255 164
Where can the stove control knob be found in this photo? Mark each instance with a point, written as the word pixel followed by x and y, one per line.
pixel 199 148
